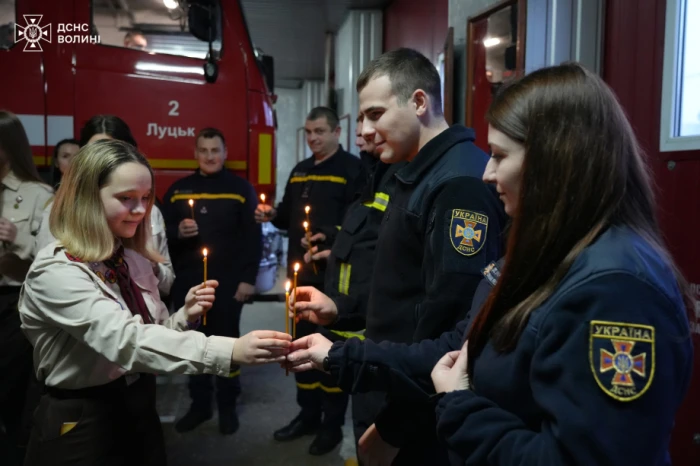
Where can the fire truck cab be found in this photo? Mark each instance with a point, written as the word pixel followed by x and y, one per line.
pixel 193 66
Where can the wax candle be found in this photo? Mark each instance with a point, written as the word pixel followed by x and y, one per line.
pixel 191 203
pixel 287 286
pixel 204 260
pixel 294 312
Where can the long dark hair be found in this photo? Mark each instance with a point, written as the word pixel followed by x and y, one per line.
pixel 110 125
pixel 15 149
pixel 55 172
pixel 583 172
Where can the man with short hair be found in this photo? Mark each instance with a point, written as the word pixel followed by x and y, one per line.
pixel 351 262
pixel 221 220
pixel 327 184
pixel 440 230
pixel 135 40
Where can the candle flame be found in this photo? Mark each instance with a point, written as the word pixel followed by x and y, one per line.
pixel 296 267
pixel 307 209
pixel 205 252
pixel 306 225
pixel 262 197
pixel 191 202
pixel 287 286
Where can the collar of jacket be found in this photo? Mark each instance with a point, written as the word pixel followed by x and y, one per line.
pixel 198 172
pixel 311 161
pixel 432 151
pixel 369 161
pixel 10 181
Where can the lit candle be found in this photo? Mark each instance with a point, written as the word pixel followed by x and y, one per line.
pixel 204 253
pixel 191 202
pixel 294 312
pixel 262 198
pixel 307 209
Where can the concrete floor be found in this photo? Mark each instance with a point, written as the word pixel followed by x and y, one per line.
pixel 267 403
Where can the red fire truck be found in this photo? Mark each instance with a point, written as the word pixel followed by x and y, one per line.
pixel 68 61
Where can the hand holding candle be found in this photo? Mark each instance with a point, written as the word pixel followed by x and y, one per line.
pixel 191 203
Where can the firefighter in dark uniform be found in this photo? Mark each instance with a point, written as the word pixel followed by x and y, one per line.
pixel 327 183
pixel 222 220
pixel 441 228
pixel 351 262
pixel 582 353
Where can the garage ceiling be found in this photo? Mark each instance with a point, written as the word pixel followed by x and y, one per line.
pixel 294 33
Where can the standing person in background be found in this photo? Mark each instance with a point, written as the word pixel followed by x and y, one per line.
pixel 327 183
pixel 63 153
pixel 224 223
pixel 24 197
pixel 101 127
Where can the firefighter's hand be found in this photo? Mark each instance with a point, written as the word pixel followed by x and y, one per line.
pixel 244 291
pixel 8 230
pixel 317 238
pixel 261 347
pixel 199 300
pixel 374 451
pixel 314 306
pixel 314 255
pixel 307 353
pixel 265 213
pixel 188 228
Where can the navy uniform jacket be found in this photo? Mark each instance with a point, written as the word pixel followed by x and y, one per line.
pixel 442 227
pixel 351 262
pixel 224 209
pixel 328 188
pixel 595 378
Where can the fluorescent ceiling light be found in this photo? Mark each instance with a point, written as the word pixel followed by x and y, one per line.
pixel 145 66
pixel 491 41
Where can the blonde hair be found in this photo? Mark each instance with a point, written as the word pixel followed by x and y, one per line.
pixel 78 219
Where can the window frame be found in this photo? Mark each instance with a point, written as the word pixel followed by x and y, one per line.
pixel 670 98
pixel 216 53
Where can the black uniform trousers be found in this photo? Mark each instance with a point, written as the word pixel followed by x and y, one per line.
pixel 318 395
pixel 223 319
pixel 109 425
pixel 18 387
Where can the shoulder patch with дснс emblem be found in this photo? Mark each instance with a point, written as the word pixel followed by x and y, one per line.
pixel 468 231
pixel 622 357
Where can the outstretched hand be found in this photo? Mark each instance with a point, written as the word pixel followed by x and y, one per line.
pixel 307 353
pixel 261 347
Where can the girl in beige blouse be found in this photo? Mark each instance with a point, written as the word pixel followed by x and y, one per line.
pixel 91 309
